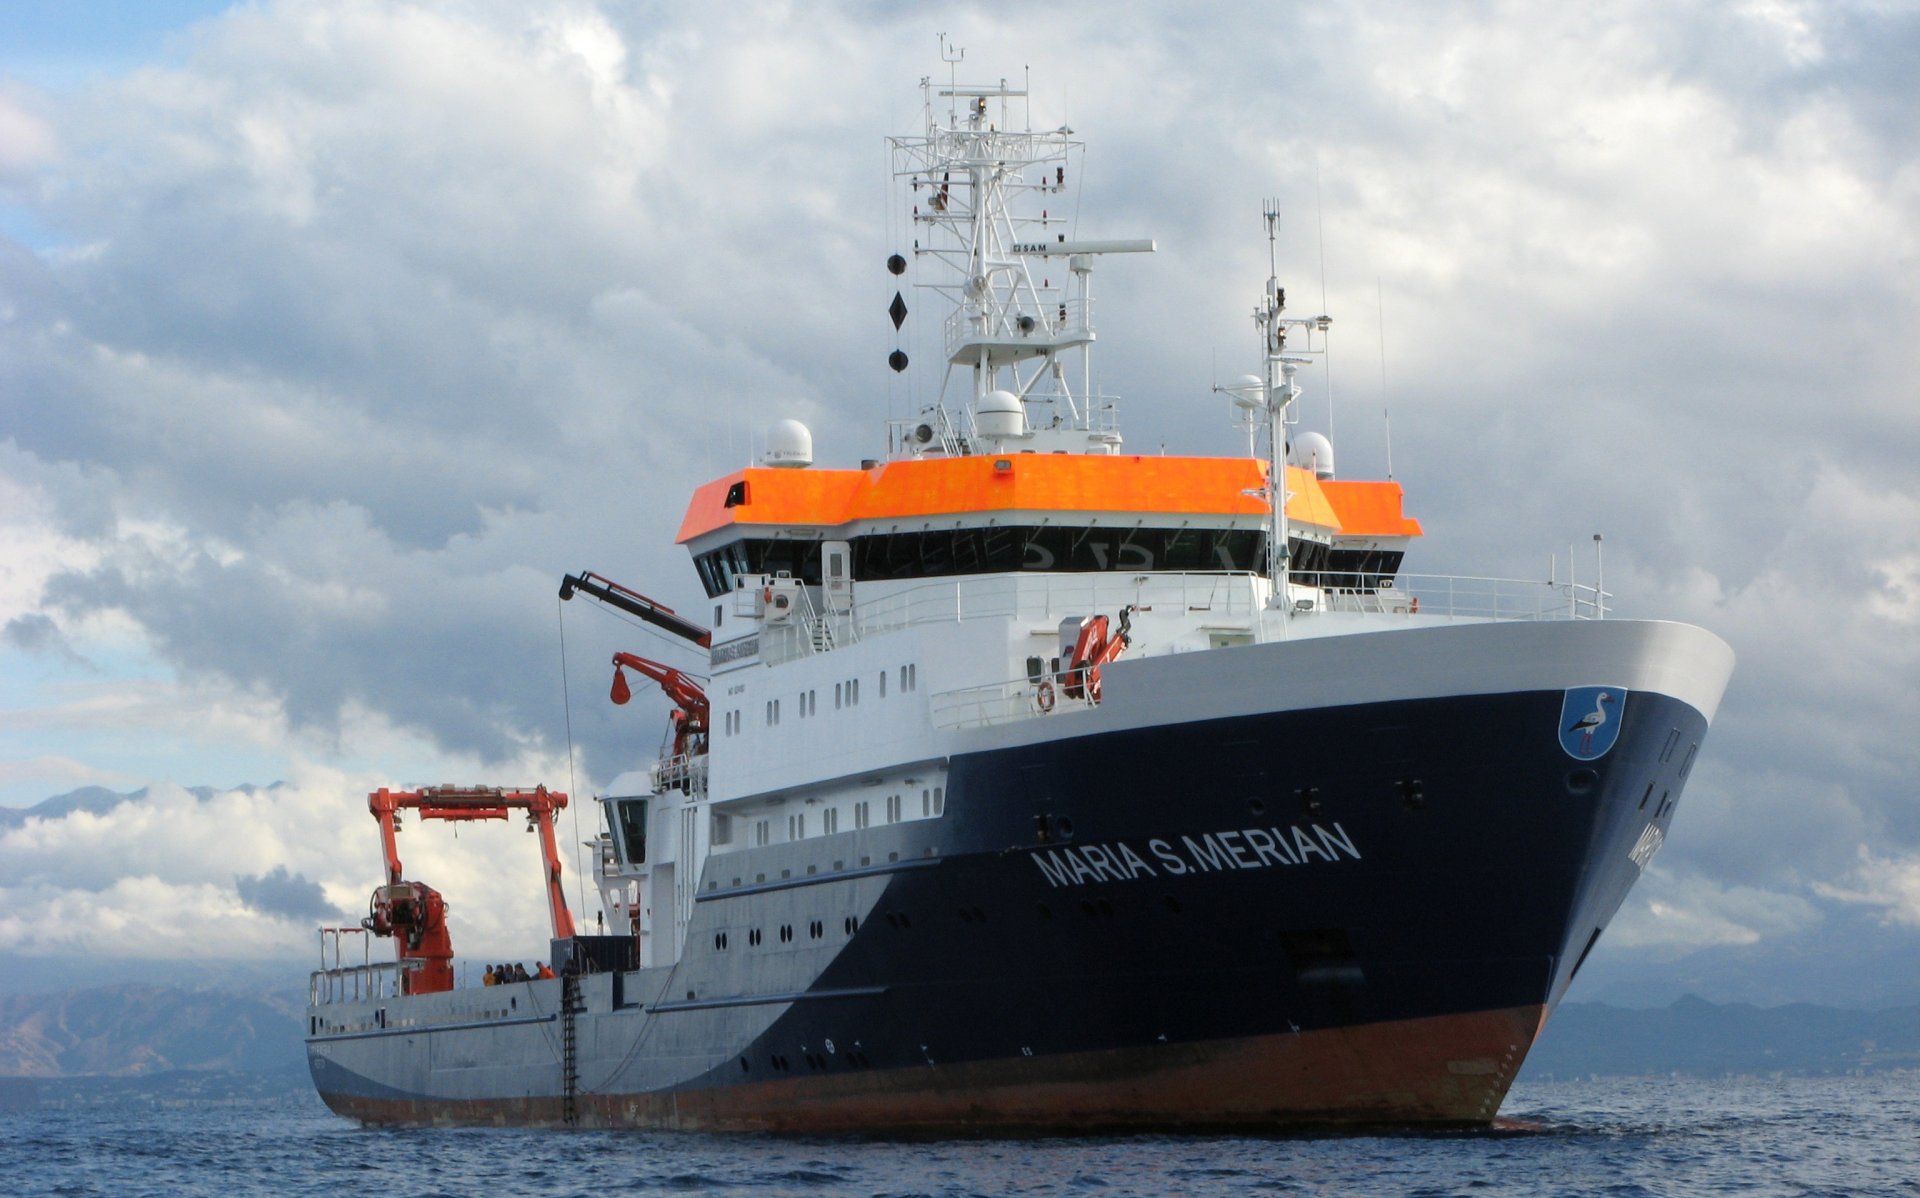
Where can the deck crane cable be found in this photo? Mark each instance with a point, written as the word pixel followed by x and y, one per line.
pixel 658 635
pixel 566 701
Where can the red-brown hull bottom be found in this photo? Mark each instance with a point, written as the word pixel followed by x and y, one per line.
pixel 1450 1070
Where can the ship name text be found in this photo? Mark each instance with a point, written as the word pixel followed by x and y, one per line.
pixel 1209 852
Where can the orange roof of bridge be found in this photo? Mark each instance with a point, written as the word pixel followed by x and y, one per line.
pixel 924 487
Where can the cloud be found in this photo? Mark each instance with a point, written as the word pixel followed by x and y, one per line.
pixel 1673 915
pixel 26 141
pixel 284 895
pixel 1891 883
pixel 357 325
pixel 172 874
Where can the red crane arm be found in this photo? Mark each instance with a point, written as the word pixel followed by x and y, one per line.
pixel 1093 649
pixel 683 691
pixel 480 802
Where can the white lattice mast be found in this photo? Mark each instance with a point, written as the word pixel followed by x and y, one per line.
pixel 981 213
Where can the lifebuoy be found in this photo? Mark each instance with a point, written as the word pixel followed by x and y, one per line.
pixel 1043 697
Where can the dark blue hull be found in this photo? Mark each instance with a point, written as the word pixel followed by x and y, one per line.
pixel 1354 914
pixel 1459 861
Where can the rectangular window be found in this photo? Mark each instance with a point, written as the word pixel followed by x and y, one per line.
pixel 762 831
pixel 893 809
pixel 939 799
pixel 860 815
pixel 633 830
pixel 830 821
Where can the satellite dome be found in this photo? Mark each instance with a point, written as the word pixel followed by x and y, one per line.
pixel 1249 392
pixel 789 445
pixel 1312 451
pixel 1000 415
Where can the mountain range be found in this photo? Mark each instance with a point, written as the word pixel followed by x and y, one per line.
pixel 160 1042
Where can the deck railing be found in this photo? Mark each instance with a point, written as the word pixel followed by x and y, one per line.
pixel 357 983
pixel 1434 598
pixel 1045 597
pixel 1226 596
pixel 1455 596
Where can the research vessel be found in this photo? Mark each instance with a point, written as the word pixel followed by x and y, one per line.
pixel 1021 783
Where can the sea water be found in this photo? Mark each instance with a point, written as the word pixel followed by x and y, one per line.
pixel 1618 1138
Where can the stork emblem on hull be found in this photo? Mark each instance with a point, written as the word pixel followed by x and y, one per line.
pixel 1590 720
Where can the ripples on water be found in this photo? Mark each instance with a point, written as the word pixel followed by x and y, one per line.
pixel 1618 1139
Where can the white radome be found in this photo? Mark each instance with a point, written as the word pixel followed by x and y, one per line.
pixel 789 444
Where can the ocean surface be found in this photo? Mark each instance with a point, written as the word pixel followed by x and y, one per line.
pixel 1619 1138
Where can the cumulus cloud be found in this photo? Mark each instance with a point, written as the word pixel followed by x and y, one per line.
pixel 173 874
pixel 1891 883
pixel 1673 915
pixel 361 323
pixel 284 895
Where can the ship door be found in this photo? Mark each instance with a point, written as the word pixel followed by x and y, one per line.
pixel 836 575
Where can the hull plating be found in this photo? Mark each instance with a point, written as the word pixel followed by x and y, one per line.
pixel 1349 915
pixel 1447 1070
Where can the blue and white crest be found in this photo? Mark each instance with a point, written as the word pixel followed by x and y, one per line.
pixel 1590 720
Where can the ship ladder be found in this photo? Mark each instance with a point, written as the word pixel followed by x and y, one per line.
pixel 569 1045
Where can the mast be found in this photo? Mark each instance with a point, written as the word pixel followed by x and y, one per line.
pixel 1278 391
pixel 985 200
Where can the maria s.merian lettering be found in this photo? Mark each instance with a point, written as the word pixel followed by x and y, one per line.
pixel 1245 848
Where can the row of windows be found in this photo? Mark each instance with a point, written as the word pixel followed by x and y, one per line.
pixel 937 553
pixel 845 694
pixel 787 933
pixel 933 802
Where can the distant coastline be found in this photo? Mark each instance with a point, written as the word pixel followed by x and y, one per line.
pixel 157 1045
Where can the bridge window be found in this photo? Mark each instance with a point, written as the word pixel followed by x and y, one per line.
pixel 633 830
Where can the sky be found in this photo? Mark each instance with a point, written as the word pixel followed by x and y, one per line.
pixel 333 332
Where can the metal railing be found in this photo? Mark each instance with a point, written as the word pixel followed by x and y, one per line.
pixel 357 983
pixel 1041 322
pixel 1454 596
pixel 1224 596
pixel 683 772
pixel 1046 597
pixel 999 703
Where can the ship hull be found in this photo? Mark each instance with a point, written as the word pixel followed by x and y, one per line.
pixel 1447 1071
pixel 1303 915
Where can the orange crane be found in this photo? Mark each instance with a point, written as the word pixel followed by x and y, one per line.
pixel 1092 650
pixel 414 913
pixel 690 712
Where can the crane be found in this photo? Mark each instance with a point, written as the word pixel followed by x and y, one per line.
pixel 414 913
pixel 690 714
pixel 1092 650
